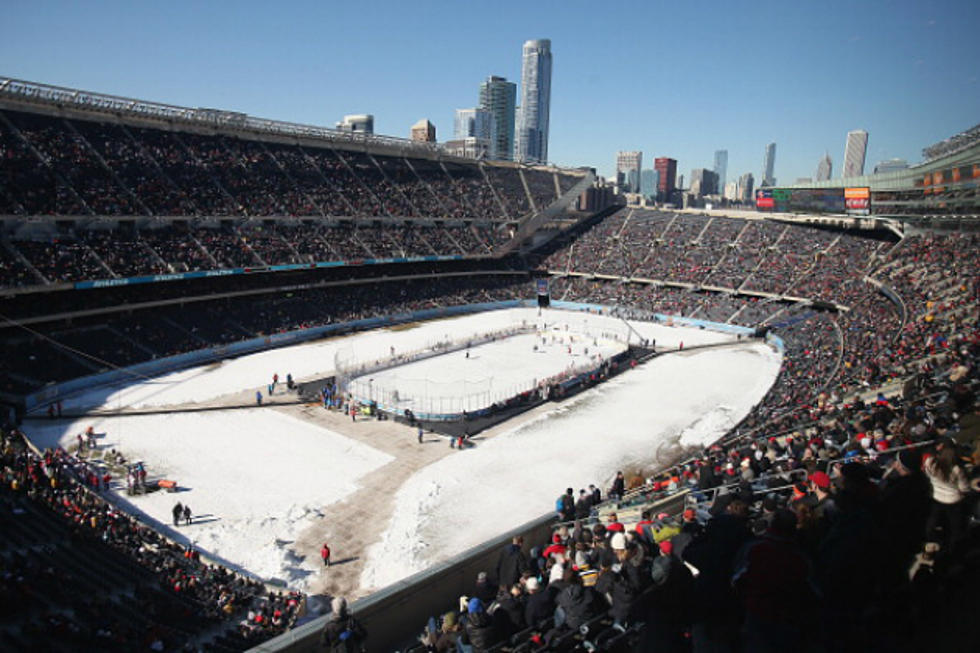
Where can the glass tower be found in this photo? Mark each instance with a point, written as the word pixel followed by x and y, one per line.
pixel 499 97
pixel 532 131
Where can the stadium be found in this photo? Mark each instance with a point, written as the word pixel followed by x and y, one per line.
pixel 159 264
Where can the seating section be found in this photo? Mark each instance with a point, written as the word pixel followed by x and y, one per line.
pixel 78 168
pixel 79 574
pixel 58 352
pixel 775 516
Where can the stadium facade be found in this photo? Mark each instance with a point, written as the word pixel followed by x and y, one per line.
pixel 944 184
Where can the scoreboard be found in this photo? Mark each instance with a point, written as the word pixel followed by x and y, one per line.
pixel 854 201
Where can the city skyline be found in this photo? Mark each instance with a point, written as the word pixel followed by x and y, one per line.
pixel 272 62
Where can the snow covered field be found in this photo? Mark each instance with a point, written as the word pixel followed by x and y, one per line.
pixel 259 478
pixel 251 476
pixel 466 499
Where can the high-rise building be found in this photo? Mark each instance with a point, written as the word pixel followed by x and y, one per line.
pixel 721 167
pixel 424 131
pixel 854 152
pixel 474 123
pixel 769 166
pixel 474 127
pixel 703 182
pixel 499 97
pixel 667 169
pixel 362 123
pixel 531 144
pixel 825 169
pixel 731 190
pixel 628 166
pixel 680 182
pixel 648 182
pixel 891 165
pixel 746 187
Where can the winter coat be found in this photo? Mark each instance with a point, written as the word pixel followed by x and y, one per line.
pixel 577 602
pixel 342 634
pixel 508 617
pixel 511 564
pixel 948 491
pixel 540 606
pixel 478 631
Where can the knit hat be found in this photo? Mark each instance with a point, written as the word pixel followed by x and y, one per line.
pixel 556 573
pixel 532 584
pixel 475 605
pixel 448 620
pixel 820 479
pixel 689 514
pixel 618 541
pixel 666 547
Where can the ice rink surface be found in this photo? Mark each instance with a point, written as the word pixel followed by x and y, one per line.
pixel 475 378
pixel 260 476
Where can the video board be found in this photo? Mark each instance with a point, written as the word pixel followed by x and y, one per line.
pixel 814 200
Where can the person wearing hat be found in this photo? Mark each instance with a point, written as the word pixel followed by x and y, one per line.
pixel 823 505
pixel 484 590
pixel 576 604
pixel 342 632
pixel 540 604
pixel 477 626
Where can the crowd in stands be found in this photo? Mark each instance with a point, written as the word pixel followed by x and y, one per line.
pixel 76 254
pixel 910 322
pixel 724 252
pixel 62 351
pixel 71 167
pixel 834 518
pixel 78 573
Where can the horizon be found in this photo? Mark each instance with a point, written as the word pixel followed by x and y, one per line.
pixel 679 94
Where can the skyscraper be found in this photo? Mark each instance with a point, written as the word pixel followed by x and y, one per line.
pixel 721 167
pixel 854 151
pixel 475 123
pixel 499 97
pixel 648 182
pixel 532 126
pixel 628 165
pixel 704 182
pixel 825 169
pixel 769 166
pixel 476 127
pixel 745 187
pixel 667 170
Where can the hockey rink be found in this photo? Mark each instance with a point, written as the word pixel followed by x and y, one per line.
pixel 262 479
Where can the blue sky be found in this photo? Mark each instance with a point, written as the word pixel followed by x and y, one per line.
pixel 668 78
